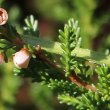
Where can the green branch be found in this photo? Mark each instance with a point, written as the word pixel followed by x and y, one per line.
pixel 54 47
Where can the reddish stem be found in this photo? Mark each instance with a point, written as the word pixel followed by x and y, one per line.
pixel 73 78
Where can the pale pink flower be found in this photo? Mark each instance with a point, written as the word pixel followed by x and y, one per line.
pixel 3 16
pixel 21 58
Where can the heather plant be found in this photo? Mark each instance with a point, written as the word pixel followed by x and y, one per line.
pixel 79 76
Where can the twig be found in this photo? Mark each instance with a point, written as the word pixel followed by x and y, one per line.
pixel 55 48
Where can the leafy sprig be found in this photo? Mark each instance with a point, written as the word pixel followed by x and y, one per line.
pixel 31 26
pixel 70 39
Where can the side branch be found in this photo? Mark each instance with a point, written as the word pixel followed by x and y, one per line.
pixel 73 78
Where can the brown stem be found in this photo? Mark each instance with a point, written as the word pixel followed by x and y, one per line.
pixel 73 78
pixel 79 83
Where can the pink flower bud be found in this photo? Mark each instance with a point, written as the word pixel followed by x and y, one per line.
pixel 3 16
pixel 1 58
pixel 21 58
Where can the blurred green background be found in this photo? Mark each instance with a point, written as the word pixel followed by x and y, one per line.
pixel 94 19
